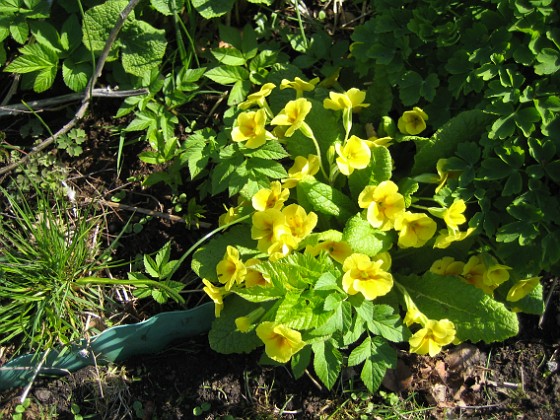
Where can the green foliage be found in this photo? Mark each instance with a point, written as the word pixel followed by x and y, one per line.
pixel 267 281
pixel 46 250
pixel 499 61
pixel 71 142
pixel 240 63
pixel 160 268
pixel 141 46
pixel 209 9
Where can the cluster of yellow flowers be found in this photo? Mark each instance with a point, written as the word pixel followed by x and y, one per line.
pixel 483 272
pixel 279 229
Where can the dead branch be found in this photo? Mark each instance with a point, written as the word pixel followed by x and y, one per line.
pixel 87 94
pixel 42 105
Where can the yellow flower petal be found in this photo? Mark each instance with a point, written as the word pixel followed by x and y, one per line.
pixel 293 115
pixel 522 288
pixel 415 229
pixel 231 269
pixel 431 338
pixel 412 122
pixel 280 342
pixel 362 275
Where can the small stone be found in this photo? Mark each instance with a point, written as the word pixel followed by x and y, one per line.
pixel 43 394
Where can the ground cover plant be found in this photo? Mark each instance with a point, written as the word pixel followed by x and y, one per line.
pixel 357 187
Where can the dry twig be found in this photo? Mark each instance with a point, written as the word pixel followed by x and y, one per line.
pixel 42 105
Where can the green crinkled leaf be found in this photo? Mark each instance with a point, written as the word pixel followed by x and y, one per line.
pixel 365 239
pixel 223 336
pixel 325 199
pixel 475 314
pixel 296 270
pixel 167 7
pixel 143 48
pixel 301 311
pixel 468 126
pixel 327 362
pixel 98 23
pixel 260 293
pixel 209 9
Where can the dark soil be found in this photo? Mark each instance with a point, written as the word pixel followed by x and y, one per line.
pixel 515 379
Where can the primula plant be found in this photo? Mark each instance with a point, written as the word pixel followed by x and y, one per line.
pixel 331 254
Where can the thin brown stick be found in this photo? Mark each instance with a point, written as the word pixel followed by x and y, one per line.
pixel 41 105
pixel 87 94
pixel 170 217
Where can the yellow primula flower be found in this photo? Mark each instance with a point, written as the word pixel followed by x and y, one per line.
pixel 231 269
pixel 243 324
pixel 231 214
pixel 299 85
pixel 352 99
pixel 454 215
pixel 293 115
pixel 338 250
pixel 431 338
pixel 216 294
pixel 447 237
pixel 250 127
pixel 414 316
pixel 447 266
pixel 280 342
pixel 270 198
pixel 415 229
pixel 258 98
pixel 268 227
pixel 522 288
pixel 473 273
pixel 355 154
pixel 300 223
pixel 362 275
pixel 282 246
pixel 495 275
pixel 412 122
pixel 301 168
pixel 379 142
pixel 384 204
